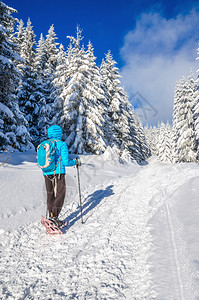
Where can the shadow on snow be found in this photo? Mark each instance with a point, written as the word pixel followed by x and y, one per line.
pixel 90 203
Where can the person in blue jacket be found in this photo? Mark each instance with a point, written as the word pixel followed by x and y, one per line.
pixel 55 181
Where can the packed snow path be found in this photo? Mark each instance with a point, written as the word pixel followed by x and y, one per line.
pixel 110 256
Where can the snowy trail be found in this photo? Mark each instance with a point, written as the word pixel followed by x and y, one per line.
pixel 174 273
pixel 106 258
pixel 115 254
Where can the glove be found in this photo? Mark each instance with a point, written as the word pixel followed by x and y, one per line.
pixel 78 162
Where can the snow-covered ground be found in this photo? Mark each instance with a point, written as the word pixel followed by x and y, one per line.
pixel 139 239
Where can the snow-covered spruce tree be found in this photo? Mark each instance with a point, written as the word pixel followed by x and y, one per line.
pixel 19 34
pixel 44 108
pixel 154 138
pixel 110 75
pixel 62 76
pixel 150 136
pixel 114 94
pixel 169 144
pixel 122 130
pixel 59 83
pixel 176 118
pixel 189 114
pixel 161 141
pixel 81 103
pixel 143 150
pixel 98 105
pixel 196 117
pixel 128 131
pixel 51 51
pixel 13 125
pixel 164 145
pixel 196 110
pixel 183 123
pixel 40 58
pixel 50 64
pixel 193 101
pixel 30 92
pixel 45 65
pixel 44 113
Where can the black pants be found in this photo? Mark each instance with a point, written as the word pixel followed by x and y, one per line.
pixel 55 202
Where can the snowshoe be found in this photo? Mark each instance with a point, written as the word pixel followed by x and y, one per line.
pixel 58 223
pixel 51 227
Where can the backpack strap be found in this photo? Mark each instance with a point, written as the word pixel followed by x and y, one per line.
pixel 59 161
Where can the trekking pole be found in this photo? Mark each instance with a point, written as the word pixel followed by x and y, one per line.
pixel 78 178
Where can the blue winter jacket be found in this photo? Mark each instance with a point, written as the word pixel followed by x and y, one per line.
pixel 55 132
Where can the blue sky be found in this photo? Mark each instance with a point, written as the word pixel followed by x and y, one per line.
pixel 154 42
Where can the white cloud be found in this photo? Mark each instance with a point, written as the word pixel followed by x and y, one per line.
pixel 157 53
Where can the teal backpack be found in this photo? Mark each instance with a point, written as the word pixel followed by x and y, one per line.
pixel 46 155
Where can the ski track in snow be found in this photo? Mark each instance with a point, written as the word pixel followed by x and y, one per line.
pixel 179 282
pixel 111 255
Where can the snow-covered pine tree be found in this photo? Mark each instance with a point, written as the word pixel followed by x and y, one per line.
pixel 27 38
pixel 190 116
pixel 110 75
pixel 165 143
pixel 183 123
pixel 143 150
pixel 45 66
pixel 122 130
pixel 157 133
pixel 19 34
pixel 44 108
pixel 44 113
pixel 128 134
pixel 147 133
pixel 161 142
pixel 81 103
pixel 40 58
pixel 149 136
pixel 13 129
pixel 176 118
pixel 59 83
pixel 197 131
pixel 98 105
pixel 152 136
pixel 171 142
pixel 196 110
pixel 70 94
pixel 51 52
pixel 30 92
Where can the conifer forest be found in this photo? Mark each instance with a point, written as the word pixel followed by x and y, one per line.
pixel 43 83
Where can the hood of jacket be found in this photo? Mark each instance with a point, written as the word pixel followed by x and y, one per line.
pixel 54 132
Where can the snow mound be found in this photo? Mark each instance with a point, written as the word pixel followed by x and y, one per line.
pixel 116 156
